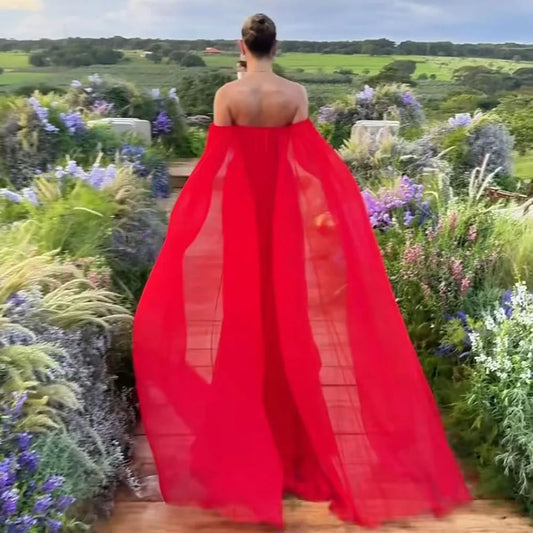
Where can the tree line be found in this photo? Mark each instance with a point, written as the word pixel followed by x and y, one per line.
pixel 513 51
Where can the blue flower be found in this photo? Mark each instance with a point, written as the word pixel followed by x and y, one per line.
pixel 42 114
pixel 63 503
pixel 29 194
pixel 11 196
pixel 24 441
pixel 53 526
pixel 366 95
pixel 9 500
pixel 162 124
pixel 73 121
pixel 29 461
pixel 43 504
pixel 52 484
pixel 460 120
pixel 408 218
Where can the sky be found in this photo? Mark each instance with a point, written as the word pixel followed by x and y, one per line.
pixel 417 20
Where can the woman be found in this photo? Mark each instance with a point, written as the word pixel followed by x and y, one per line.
pixel 271 357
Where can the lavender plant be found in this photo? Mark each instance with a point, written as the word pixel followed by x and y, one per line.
pixel 30 499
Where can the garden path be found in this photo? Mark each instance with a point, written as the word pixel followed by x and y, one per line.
pixel 146 512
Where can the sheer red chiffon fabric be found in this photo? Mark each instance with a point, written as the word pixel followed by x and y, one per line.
pixel 270 355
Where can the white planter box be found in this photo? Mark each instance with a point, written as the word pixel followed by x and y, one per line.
pixel 133 126
pixel 374 127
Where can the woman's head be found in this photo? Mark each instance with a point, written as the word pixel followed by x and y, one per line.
pixel 259 35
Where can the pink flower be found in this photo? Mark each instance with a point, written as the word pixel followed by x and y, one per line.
pixel 472 233
pixel 413 255
pixel 453 220
pixel 457 270
pixel 465 285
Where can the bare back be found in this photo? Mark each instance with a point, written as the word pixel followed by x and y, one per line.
pixel 260 99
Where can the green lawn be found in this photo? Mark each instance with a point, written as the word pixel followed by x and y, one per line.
pixel 524 166
pixel 15 60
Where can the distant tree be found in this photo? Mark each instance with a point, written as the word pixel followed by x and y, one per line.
pixel 38 59
pixel 197 91
pixel 155 57
pixel 432 76
pixel 192 60
pixel 1 70
pixel 176 56
pixel 406 67
pixel 423 76
pixel 525 75
pixel 486 80
pixel 395 72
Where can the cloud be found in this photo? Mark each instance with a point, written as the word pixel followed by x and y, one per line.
pixel 455 20
pixel 20 5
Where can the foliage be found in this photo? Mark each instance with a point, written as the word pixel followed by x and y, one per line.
pixel 192 60
pixel 515 110
pixel 485 79
pixel 467 140
pixel 494 417
pixel 75 54
pixel 387 101
pixel 197 93
pixel 30 499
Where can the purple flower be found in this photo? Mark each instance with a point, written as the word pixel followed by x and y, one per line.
pixel 23 524
pixel 42 114
pixel 366 95
pixel 53 526
pixel 162 124
pixel 63 503
pixel 43 504
pixel 408 218
pixel 460 120
pixel 327 114
pixel 9 500
pixel 28 461
pixel 409 99
pixel 23 441
pixel 29 194
pixel 11 196
pixel 52 484
pixel 77 84
pixel 73 121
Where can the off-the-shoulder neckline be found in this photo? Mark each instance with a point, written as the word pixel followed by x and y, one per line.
pixel 239 126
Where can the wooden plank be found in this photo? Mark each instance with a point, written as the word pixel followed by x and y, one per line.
pixel 479 517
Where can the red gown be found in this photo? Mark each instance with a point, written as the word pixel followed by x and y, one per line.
pixel 270 355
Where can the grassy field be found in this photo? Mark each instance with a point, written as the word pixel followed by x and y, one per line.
pixel 441 67
pixel 524 166
pixel 15 60
pixel 147 74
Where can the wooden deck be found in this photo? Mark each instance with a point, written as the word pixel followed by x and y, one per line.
pixel 147 513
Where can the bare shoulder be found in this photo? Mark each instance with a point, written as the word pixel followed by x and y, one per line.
pixel 298 91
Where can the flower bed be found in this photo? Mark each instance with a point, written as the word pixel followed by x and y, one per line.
pixel 79 233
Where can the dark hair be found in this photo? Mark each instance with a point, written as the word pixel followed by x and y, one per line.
pixel 259 34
